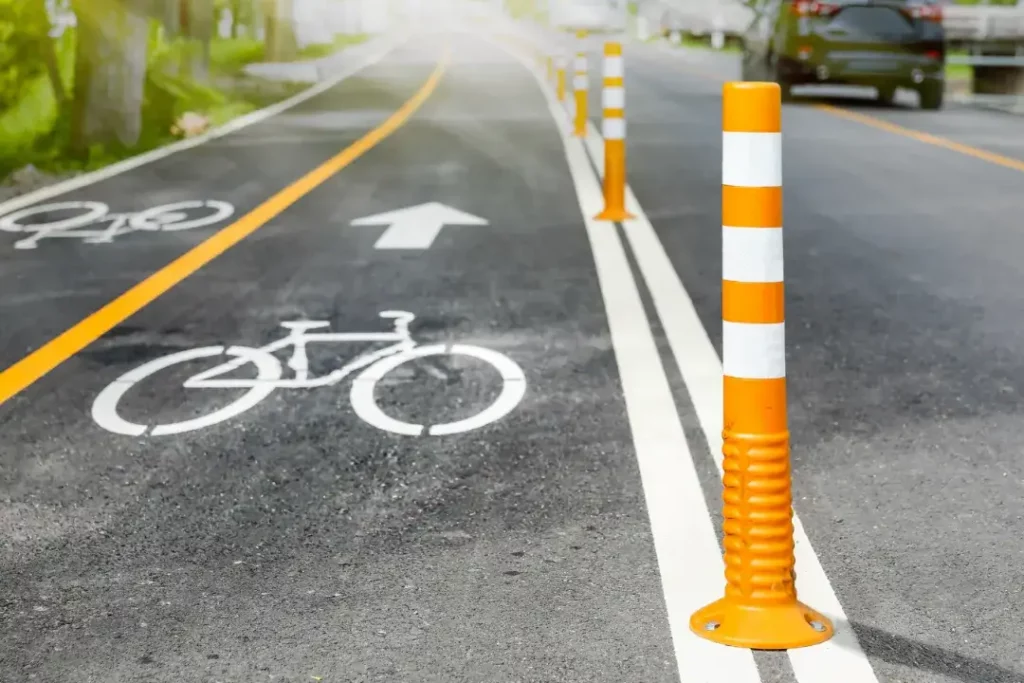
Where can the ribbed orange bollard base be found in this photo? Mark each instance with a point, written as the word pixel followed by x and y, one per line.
pixel 760 609
pixel 614 183
pixel 776 627
pixel 580 128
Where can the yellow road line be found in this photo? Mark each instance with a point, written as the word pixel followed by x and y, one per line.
pixel 30 368
pixel 927 138
pixel 881 124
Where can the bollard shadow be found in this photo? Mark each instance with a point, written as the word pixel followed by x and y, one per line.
pixel 902 651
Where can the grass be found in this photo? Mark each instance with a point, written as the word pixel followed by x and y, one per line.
pixel 36 132
pixel 958 72
pixel 704 44
pixel 232 54
pixel 319 50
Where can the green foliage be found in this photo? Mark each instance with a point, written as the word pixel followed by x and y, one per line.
pixel 34 129
pixel 318 50
pixel 231 55
pixel 35 115
pixel 22 28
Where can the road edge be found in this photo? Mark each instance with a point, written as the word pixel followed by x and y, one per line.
pixel 384 46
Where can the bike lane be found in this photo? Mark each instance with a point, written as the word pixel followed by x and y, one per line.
pixel 49 288
pixel 297 540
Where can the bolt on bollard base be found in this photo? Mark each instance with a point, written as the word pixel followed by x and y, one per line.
pixel 778 627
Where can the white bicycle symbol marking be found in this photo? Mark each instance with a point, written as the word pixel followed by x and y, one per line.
pixel 374 365
pixel 167 218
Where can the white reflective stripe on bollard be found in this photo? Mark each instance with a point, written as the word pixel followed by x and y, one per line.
pixel 614 67
pixel 613 98
pixel 613 129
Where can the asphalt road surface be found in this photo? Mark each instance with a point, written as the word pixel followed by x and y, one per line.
pixel 569 538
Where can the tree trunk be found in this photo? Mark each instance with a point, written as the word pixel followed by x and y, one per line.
pixel 270 29
pixel 236 11
pixel 198 25
pixel 280 33
pixel 110 73
pixel 49 52
pixel 202 32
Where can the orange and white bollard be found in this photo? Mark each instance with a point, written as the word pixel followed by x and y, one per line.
pixel 760 609
pixel 560 81
pixel 580 88
pixel 613 128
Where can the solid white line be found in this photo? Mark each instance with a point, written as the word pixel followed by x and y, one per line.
pixel 389 43
pixel 841 659
pixel 689 557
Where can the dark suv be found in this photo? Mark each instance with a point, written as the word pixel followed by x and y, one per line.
pixel 882 43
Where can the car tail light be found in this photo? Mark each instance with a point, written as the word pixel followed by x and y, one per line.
pixel 813 8
pixel 933 54
pixel 804 51
pixel 925 12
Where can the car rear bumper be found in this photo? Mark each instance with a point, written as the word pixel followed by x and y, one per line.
pixel 858 68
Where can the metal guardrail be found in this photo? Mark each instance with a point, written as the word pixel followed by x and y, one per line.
pixel 980 23
pixel 1011 104
pixel 986 60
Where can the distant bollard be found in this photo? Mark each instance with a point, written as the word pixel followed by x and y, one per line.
pixel 760 609
pixel 580 87
pixel 613 128
pixel 560 81
pixel 550 62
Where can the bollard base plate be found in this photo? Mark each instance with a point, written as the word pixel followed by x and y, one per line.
pixel 616 215
pixel 770 627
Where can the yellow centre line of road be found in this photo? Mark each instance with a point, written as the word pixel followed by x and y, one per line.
pixel 32 367
pixel 881 124
pixel 927 138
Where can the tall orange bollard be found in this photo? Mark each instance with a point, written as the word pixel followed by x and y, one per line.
pixel 550 61
pixel 760 609
pixel 580 87
pixel 613 128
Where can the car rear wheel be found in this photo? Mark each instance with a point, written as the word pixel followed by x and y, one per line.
pixel 931 96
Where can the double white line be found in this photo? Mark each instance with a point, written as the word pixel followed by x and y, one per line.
pixel 689 556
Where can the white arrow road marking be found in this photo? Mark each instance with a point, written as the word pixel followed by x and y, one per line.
pixel 416 227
